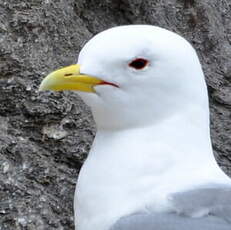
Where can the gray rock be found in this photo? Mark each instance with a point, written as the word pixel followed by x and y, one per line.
pixel 44 137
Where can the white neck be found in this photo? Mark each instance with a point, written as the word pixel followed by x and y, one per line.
pixel 144 168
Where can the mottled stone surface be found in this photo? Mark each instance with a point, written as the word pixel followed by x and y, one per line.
pixel 44 137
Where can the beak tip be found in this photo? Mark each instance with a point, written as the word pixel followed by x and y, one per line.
pixel 41 87
pixel 46 84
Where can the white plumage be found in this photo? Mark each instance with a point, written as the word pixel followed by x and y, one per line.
pixel 152 146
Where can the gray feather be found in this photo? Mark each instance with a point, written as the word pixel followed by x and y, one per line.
pixel 210 208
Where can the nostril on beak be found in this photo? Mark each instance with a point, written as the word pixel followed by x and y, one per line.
pixel 68 74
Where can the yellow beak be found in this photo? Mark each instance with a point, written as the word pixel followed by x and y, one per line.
pixel 69 78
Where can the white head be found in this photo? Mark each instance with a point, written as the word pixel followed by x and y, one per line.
pixel 157 72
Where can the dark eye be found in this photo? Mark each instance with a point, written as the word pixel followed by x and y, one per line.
pixel 138 63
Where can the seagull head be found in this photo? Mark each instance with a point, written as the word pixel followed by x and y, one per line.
pixel 134 75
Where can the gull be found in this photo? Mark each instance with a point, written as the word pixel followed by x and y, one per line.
pixel 151 165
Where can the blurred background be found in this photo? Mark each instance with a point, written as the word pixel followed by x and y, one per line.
pixel 45 137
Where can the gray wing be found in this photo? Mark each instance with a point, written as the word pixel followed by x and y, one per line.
pixel 169 222
pixel 210 207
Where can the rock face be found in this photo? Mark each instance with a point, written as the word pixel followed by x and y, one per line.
pixel 44 137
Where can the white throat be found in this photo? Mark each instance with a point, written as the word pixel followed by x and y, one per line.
pixel 141 167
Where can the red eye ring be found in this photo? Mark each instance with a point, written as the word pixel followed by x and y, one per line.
pixel 138 63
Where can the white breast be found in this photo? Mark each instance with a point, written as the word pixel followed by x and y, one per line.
pixel 122 175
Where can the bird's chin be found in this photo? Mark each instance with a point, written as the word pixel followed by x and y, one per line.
pixel 96 100
pixel 90 99
pixel 102 105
